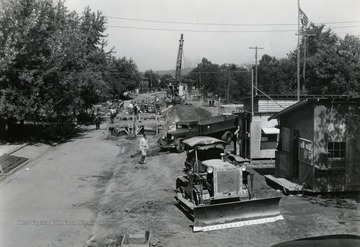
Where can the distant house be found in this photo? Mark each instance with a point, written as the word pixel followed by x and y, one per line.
pixel 183 90
pixel 261 135
pixel 319 145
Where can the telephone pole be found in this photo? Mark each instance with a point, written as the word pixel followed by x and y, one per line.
pixel 256 49
pixel 298 56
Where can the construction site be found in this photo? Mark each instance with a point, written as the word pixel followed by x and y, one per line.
pixel 178 165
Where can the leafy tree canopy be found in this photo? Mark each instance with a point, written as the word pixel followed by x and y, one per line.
pixel 53 63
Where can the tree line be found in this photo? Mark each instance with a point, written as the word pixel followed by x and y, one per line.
pixel 53 62
pixel 54 65
pixel 332 68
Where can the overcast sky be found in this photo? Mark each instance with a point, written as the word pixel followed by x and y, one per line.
pixel 220 43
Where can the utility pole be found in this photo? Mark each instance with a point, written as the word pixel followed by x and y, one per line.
pixel 304 66
pixel 256 49
pixel 199 82
pixel 151 75
pixel 252 92
pixel 228 88
pixel 298 56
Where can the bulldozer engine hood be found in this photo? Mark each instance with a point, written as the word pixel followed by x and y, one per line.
pixel 218 164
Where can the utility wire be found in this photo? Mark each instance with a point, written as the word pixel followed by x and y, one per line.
pixel 202 31
pixel 222 24
pixel 215 31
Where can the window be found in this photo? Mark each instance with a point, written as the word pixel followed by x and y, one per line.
pixel 182 126
pixel 336 149
pixel 269 138
pixel 192 126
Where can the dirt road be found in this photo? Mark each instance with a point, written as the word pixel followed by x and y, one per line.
pixel 53 202
pixel 90 179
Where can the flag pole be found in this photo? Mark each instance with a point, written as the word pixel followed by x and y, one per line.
pixel 298 55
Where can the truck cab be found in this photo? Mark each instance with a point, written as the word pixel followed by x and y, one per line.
pixel 173 138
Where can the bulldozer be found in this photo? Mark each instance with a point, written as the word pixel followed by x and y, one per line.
pixel 217 190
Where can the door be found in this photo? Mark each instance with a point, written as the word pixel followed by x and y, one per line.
pixel 244 122
pixel 295 154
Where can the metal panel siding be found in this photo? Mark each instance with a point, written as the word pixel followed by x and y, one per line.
pixel 353 165
pixel 259 122
pixel 271 106
pixel 255 139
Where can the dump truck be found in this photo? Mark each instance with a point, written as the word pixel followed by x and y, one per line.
pixel 221 127
pixel 217 191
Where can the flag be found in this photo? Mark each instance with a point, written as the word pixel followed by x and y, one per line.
pixel 303 18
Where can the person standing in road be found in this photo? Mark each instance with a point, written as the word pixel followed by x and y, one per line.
pixel 97 119
pixel 143 148
pixel 136 111
pixel 239 135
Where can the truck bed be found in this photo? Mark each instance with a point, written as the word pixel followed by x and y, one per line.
pixel 217 124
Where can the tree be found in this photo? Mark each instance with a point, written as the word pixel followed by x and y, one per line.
pixel 332 66
pixel 52 61
pixel 121 76
pixel 153 79
pixel 206 74
pixel 277 76
pixel 234 82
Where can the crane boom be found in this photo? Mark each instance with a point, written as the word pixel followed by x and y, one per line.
pixel 179 58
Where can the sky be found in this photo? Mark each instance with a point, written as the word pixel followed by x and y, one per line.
pixel 148 31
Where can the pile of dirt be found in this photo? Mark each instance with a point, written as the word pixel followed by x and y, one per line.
pixel 185 112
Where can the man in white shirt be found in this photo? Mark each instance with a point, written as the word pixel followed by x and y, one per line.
pixel 143 148
pixel 239 137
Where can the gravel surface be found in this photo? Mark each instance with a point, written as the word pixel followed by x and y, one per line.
pixel 93 179
pixel 141 197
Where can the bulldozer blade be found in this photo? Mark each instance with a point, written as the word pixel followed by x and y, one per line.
pixel 236 214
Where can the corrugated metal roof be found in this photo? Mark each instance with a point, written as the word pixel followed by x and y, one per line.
pixel 338 99
pixel 274 106
pixel 290 108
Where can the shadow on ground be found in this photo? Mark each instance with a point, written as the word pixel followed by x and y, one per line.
pixel 38 133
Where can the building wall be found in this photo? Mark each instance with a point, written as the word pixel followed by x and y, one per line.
pixel 329 169
pixel 329 127
pixel 260 121
pixel 298 123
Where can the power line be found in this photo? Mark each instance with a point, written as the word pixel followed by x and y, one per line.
pixel 202 31
pixel 221 24
pixel 215 31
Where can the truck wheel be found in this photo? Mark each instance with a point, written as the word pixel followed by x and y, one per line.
pixel 180 147
pixel 227 136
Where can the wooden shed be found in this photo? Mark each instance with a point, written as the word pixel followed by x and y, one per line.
pixel 319 144
pixel 262 132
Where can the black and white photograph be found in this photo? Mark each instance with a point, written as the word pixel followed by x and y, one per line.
pixel 141 123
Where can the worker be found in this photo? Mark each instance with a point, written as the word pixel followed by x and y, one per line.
pixel 239 135
pixel 113 114
pixel 97 119
pixel 136 111
pixel 143 148
pixel 131 108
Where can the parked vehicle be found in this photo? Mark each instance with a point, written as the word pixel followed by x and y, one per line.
pixel 221 127
pixel 218 191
